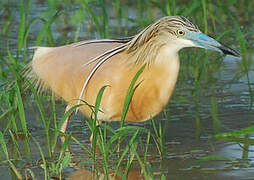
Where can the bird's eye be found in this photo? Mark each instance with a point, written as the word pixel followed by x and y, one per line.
pixel 180 32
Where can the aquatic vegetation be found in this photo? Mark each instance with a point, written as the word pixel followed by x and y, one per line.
pixel 213 98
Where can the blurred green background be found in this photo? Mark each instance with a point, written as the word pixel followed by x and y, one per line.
pixel 204 133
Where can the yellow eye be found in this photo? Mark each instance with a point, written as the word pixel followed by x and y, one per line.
pixel 180 32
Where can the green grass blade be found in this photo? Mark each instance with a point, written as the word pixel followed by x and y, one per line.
pixel 130 93
pixel 244 131
pixel 105 18
pixel 46 28
pixel 15 143
pixel 215 158
pixel 98 101
pixel 93 16
pixel 22 25
pixel 21 110
pixel 5 150
pixel 45 166
pixel 60 124
pixel 125 151
pixel 4 147
pixel 43 116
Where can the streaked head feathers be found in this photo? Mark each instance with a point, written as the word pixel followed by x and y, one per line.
pixel 146 44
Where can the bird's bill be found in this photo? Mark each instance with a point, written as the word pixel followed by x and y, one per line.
pixel 203 41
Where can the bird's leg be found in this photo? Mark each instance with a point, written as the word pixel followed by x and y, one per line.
pixel 91 138
pixel 65 124
pixel 92 135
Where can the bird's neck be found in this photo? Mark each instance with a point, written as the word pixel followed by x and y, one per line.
pixel 168 58
pixel 168 63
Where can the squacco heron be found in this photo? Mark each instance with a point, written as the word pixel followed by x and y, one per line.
pixel 79 70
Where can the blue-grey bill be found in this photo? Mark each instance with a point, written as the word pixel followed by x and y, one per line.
pixel 229 51
pixel 203 41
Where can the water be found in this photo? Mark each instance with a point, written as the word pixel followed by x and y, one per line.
pixel 188 136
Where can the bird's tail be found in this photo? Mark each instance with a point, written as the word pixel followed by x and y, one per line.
pixel 29 75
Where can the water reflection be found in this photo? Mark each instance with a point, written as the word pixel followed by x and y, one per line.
pixel 188 114
pixel 85 174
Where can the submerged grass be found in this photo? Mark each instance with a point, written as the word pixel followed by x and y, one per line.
pixel 126 146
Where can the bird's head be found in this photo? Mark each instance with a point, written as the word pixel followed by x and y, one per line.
pixel 183 33
pixel 173 33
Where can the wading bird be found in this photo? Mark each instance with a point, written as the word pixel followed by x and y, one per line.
pixel 79 70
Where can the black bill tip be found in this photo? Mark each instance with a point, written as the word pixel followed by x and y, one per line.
pixel 229 51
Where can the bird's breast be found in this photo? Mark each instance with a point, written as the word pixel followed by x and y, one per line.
pixel 156 85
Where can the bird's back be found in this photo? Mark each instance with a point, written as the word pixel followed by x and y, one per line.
pixel 60 68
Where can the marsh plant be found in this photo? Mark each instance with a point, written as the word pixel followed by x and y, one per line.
pixel 31 121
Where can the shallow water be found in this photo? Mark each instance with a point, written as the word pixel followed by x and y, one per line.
pixel 188 136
